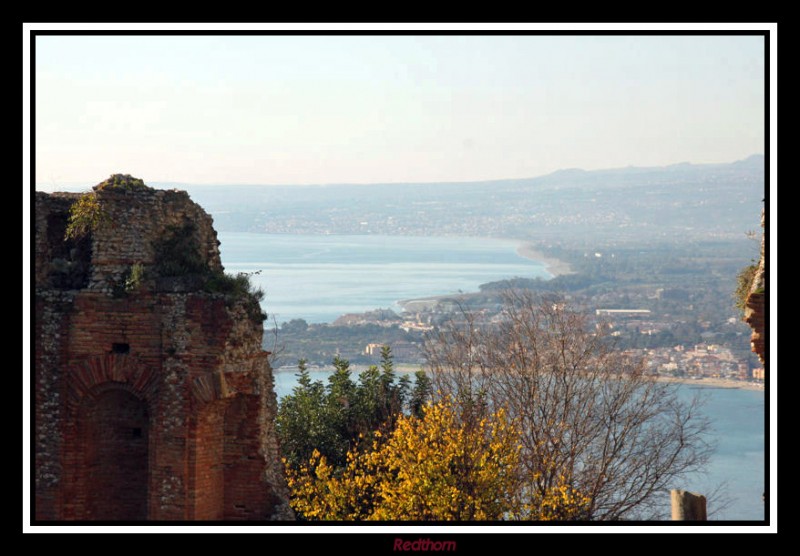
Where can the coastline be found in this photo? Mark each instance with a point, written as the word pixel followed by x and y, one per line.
pixel 715 383
pixel 409 368
pixel 555 267
pixel 526 250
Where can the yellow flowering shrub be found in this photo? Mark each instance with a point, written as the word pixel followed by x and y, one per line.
pixel 85 215
pixel 431 468
pixel 320 493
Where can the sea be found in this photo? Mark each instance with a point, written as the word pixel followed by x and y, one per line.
pixel 321 277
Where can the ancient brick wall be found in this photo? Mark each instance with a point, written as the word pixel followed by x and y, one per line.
pixel 153 399
pixel 116 459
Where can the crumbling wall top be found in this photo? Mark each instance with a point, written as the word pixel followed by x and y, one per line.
pixel 121 182
pixel 133 222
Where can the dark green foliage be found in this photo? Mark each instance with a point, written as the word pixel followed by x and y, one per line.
pixel 178 252
pixel 302 423
pixel 71 259
pixel 340 410
pixel 335 417
pixel 380 397
pixel 420 394
pixel 178 256
pixel 238 286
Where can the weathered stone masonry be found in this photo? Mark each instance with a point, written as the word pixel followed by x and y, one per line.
pixel 755 306
pixel 152 402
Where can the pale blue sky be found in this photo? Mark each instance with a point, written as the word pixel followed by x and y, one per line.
pixel 363 109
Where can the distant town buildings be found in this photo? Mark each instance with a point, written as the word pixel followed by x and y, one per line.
pixel 701 361
pixel 401 350
pixel 622 312
pixel 408 326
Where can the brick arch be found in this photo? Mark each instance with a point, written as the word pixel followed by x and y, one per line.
pixel 114 450
pixel 110 401
pixel 89 378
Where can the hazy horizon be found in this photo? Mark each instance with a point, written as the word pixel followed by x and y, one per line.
pixel 43 186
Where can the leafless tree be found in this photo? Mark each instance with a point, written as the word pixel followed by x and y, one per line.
pixel 276 348
pixel 589 414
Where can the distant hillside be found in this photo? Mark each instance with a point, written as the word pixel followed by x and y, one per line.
pixel 681 201
pixel 677 202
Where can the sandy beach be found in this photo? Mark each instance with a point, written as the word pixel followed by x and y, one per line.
pixel 553 266
pixel 527 250
pixel 716 383
pixel 705 382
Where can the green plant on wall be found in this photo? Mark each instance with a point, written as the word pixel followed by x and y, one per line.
pixel 130 281
pixel 85 216
pixel 747 276
pixel 177 255
pixel 238 286
pixel 744 282
pixel 178 252
pixel 134 279
pixel 124 182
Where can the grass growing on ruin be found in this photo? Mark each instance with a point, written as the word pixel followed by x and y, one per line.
pixel 744 281
pixel 124 182
pixel 178 255
pixel 238 286
pixel 178 252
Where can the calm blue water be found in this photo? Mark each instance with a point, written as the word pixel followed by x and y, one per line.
pixel 737 421
pixel 319 278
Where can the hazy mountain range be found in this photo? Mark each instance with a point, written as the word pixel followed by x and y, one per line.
pixel 677 202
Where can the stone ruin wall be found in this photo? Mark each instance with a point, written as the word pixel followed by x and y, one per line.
pixel 755 306
pixel 153 404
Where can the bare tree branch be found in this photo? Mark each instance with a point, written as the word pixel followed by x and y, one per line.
pixel 590 414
